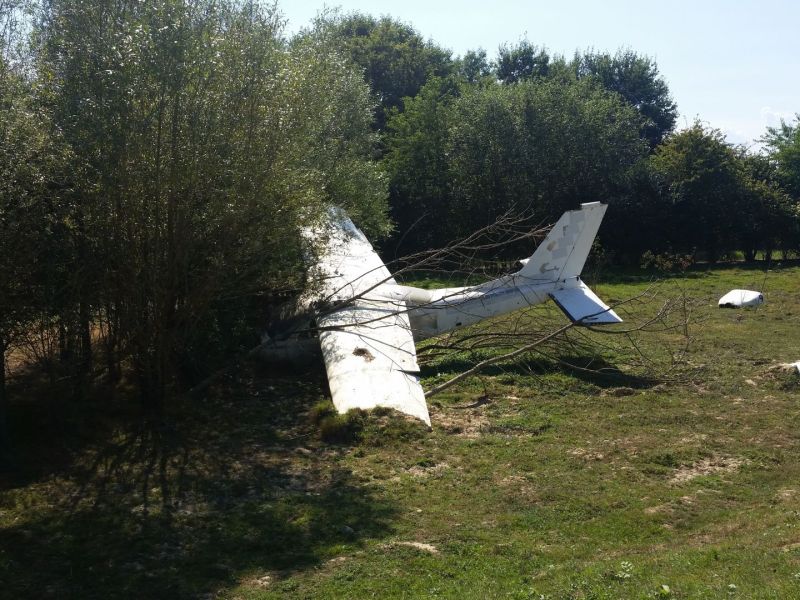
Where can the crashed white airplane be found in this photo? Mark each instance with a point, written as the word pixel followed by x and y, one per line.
pixel 367 332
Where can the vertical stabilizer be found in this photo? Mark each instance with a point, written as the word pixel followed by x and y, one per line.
pixel 563 252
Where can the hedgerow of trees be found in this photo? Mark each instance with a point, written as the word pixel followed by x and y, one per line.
pixel 158 160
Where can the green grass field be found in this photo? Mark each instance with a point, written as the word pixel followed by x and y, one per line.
pixel 562 483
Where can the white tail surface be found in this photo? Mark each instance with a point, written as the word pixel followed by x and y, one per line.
pixel 563 252
pixel 583 307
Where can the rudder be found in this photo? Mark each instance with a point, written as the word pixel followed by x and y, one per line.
pixel 564 251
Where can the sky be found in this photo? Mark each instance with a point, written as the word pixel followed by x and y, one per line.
pixel 733 64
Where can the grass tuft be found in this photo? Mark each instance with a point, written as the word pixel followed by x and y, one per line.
pixel 342 429
pixel 321 411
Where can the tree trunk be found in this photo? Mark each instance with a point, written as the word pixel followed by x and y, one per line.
pixel 86 339
pixel 112 355
pixel 5 440
pixel 63 343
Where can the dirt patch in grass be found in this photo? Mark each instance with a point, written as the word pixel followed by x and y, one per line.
pixel 518 487
pixel 586 454
pixel 659 509
pixel 707 466
pixel 466 423
pixel 421 546
pixel 260 582
pixel 424 470
pixel 618 392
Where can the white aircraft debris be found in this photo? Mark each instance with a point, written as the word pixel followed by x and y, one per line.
pixel 795 366
pixel 367 323
pixel 740 298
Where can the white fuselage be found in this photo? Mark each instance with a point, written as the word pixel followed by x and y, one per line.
pixel 434 312
pixel 363 300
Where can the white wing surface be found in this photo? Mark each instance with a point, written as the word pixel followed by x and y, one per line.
pixel 367 343
pixel 371 360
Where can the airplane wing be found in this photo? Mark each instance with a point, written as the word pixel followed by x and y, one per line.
pixel 367 343
pixel 371 360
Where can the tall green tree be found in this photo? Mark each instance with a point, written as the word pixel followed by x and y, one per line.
pixel 540 146
pixel 698 195
pixel 637 79
pixel 544 144
pixel 201 146
pixel 521 62
pixel 395 58
pixel 474 66
pixel 769 217
pixel 417 161
pixel 702 180
pixel 783 147
pixel 31 165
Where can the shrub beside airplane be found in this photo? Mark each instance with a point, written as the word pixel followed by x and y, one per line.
pixel 367 323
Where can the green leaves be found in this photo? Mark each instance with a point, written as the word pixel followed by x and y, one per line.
pixel 199 143
pixel 635 78
pixel 783 144
pixel 395 59
pixel 462 155
pixel 521 62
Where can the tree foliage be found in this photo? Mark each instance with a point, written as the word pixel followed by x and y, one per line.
pixel 701 197
pixel 474 66
pixel 783 144
pixel 521 62
pixel 463 156
pixel 701 177
pixel 635 78
pixel 395 58
pixel 196 144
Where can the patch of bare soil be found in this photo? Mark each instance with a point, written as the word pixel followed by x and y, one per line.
pixel 669 508
pixel 518 486
pixel 467 423
pixel 586 454
pixel 618 392
pixel 707 466
pixel 428 471
pixel 260 582
pixel 693 439
pixel 421 546
pixel 659 509
pixel 791 547
pixel 781 370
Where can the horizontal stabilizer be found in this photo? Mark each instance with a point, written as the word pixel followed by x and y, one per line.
pixel 582 306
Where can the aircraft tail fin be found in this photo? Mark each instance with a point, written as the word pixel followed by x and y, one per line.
pixel 563 252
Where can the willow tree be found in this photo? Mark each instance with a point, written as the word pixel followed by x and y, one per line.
pixel 202 143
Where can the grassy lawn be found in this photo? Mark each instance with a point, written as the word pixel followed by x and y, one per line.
pixel 560 483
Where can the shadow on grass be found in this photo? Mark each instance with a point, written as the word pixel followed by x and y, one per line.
pixel 217 493
pixel 590 369
pixel 601 373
